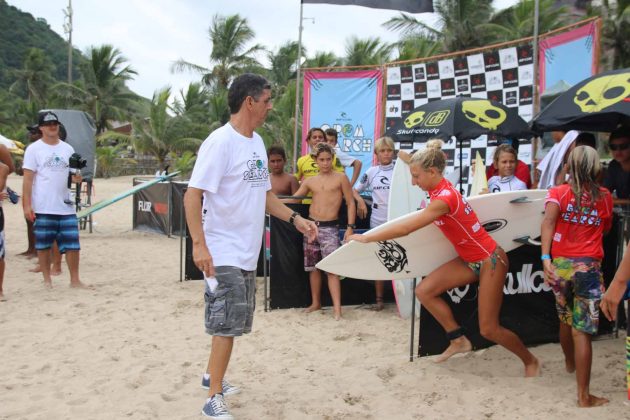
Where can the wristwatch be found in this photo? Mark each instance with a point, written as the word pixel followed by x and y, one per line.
pixel 351 226
pixel 293 216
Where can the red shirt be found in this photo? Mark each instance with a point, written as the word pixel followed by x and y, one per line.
pixel 578 232
pixel 521 172
pixel 461 225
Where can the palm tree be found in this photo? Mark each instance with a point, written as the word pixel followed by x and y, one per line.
pixel 360 52
pixel 323 59
pixel 230 54
pixel 160 134
pixel 517 21
pixel 283 64
pixel 458 26
pixel 413 47
pixel 615 32
pixel 35 78
pixel 280 123
pixel 193 103
pixel 102 92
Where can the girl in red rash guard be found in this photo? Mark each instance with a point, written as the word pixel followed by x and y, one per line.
pixel 480 259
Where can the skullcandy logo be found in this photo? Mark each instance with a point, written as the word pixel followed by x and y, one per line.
pixel 494 225
pixel 484 113
pixel 392 255
pixel 458 293
pixel 603 92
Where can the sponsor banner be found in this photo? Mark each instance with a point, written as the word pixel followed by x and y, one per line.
pixel 528 306
pixel 351 103
pixel 151 208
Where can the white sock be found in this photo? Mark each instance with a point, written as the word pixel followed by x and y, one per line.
pixel 206 376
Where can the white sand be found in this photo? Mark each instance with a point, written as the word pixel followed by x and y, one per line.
pixel 134 346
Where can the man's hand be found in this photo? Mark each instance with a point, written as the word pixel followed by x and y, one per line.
pixel 348 234
pixel 307 227
pixel 203 260
pixel 3 195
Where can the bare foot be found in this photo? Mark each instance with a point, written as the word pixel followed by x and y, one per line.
pixel 36 269
pixel 592 401
pixel 459 345
pixel 55 271
pixel 569 366
pixel 337 314
pixel 378 306
pixel 2 297
pixel 28 254
pixel 48 284
pixel 312 308
pixel 78 285
pixel 532 369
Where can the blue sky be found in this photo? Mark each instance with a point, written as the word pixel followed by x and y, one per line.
pixel 153 33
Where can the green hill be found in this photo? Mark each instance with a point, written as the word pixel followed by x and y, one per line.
pixel 21 31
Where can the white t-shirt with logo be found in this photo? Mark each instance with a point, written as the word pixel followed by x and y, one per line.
pixel 508 183
pixel 50 182
pixel 378 180
pixel 232 171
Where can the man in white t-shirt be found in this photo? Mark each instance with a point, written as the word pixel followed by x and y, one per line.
pixel 232 178
pixel 45 198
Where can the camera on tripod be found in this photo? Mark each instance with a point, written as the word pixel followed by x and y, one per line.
pixel 75 164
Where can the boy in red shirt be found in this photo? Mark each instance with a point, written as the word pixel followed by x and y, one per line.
pixel 576 216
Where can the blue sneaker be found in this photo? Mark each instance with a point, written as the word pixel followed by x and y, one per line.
pixel 216 408
pixel 228 388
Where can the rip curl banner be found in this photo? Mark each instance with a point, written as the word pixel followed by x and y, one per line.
pixel 570 56
pixel 349 102
pixel 410 6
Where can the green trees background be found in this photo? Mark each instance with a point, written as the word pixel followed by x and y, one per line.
pixel 171 125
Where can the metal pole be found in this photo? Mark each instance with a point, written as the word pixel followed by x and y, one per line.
pixel 536 105
pixel 413 320
pixel 297 92
pixel 68 30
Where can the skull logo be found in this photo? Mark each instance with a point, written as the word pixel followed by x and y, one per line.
pixel 603 92
pixel 484 113
pixel 414 119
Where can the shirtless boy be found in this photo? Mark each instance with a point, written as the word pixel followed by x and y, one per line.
pixel 328 188
pixel 281 182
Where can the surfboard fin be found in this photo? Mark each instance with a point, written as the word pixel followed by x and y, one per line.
pixel 526 240
pixel 520 200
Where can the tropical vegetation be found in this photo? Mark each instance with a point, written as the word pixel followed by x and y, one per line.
pixel 170 126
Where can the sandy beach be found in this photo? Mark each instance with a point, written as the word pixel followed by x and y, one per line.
pixel 133 346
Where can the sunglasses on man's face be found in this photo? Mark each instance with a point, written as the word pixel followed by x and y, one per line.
pixel 616 147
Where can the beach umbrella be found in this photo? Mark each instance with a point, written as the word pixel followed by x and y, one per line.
pixel 599 103
pixel 461 117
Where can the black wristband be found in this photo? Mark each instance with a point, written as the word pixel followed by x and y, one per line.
pixel 292 218
pixel 351 226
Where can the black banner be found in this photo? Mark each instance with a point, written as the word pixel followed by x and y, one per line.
pixel 151 208
pixel 528 307
pixel 289 283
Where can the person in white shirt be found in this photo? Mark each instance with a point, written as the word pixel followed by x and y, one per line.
pixel 232 177
pixel 45 200
pixel 377 179
pixel 343 158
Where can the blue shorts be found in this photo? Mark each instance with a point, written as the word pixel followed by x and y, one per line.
pixel 64 229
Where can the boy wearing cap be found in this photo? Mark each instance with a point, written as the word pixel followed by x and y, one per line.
pixel 45 186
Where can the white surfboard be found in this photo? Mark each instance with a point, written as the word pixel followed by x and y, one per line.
pixel 404 198
pixel 479 179
pixel 508 216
